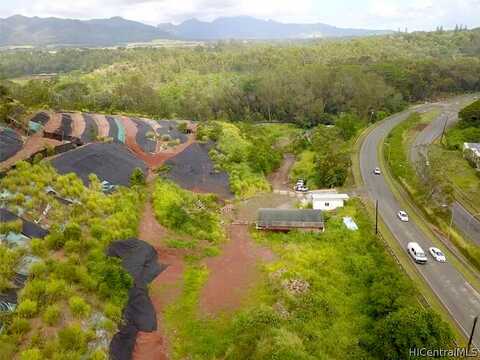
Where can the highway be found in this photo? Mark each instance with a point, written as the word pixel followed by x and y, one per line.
pixel 460 299
pixel 463 220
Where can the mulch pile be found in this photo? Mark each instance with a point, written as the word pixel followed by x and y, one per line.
pixel 10 143
pixel 111 162
pixel 193 170
pixel 140 260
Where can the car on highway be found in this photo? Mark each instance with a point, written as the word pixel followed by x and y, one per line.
pixel 377 171
pixel 437 254
pixel 403 216
pixel 417 253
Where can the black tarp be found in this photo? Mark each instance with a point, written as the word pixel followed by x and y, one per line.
pixel 141 139
pixel 29 229
pixel 111 162
pixel 10 143
pixel 41 118
pixel 65 128
pixel 113 128
pixel 140 260
pixel 91 129
pixel 170 128
pixel 193 169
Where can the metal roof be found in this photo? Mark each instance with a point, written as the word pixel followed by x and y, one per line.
pixel 290 218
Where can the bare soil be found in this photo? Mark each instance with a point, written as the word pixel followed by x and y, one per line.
pixel 234 272
pixel 102 125
pixel 33 144
pixel 279 179
pixel 163 290
pixel 78 125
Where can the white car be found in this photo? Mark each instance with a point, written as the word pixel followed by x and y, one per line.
pixel 377 171
pixel 437 254
pixel 417 253
pixel 403 216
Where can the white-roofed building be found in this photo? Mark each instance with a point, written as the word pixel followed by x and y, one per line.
pixel 471 152
pixel 327 201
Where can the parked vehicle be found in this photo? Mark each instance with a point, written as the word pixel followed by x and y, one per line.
pixel 377 171
pixel 437 254
pixel 403 216
pixel 417 253
pixel 301 186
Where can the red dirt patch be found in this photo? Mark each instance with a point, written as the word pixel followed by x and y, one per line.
pixel 33 144
pixel 163 290
pixel 102 125
pixel 152 160
pixel 78 124
pixel 234 272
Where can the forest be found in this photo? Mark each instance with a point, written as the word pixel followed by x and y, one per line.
pixel 305 83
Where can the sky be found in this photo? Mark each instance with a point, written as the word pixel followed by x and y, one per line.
pixel 371 14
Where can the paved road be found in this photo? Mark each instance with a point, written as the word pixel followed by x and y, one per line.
pixel 459 298
pixel 463 220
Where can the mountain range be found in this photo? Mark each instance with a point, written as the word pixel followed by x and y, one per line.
pixel 20 30
pixel 245 27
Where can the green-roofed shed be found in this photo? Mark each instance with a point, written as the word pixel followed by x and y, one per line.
pixel 285 220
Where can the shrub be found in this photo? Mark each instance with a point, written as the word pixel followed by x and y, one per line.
pixel 51 316
pixel 20 326
pixel 137 177
pixel 79 307
pixel 72 338
pixel 27 308
pixel 113 312
pixel 31 354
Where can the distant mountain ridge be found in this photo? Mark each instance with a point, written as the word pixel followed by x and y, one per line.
pixel 22 30
pixel 245 27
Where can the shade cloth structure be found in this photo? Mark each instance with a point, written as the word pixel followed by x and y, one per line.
pixel 140 260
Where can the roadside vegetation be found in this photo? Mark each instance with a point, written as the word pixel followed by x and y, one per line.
pixel 74 294
pixel 323 154
pixel 327 294
pixel 434 191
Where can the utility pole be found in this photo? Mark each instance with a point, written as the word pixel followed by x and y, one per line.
pixel 376 217
pixel 443 131
pixel 471 334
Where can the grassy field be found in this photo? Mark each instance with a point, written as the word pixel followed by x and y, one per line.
pixel 464 177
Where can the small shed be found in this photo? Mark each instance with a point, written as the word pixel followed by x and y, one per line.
pixel 286 220
pixel 328 201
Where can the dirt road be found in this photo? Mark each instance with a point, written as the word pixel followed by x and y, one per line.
pixel 279 179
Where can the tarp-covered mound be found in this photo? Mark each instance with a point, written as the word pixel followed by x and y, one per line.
pixel 10 143
pixel 140 260
pixel 193 169
pixel 143 139
pixel 111 162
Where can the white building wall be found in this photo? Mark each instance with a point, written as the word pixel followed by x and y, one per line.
pixel 327 205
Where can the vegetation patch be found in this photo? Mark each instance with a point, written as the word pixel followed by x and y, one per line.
pixel 67 307
pixel 327 294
